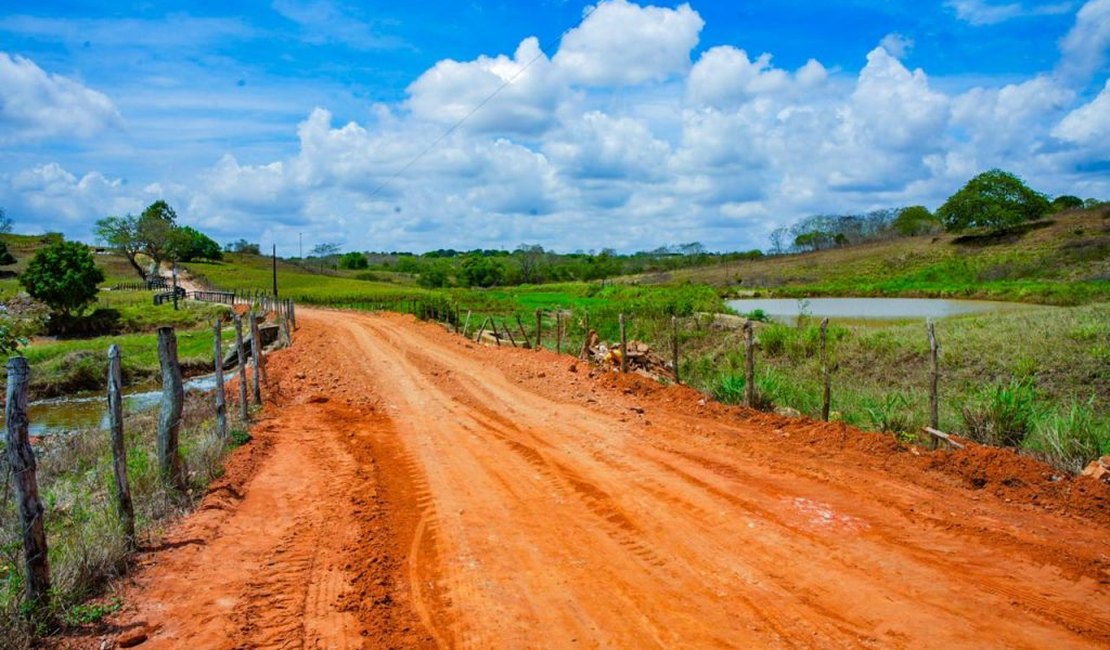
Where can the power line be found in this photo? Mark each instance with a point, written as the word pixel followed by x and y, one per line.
pixel 480 104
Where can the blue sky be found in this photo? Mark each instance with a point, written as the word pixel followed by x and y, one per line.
pixel 643 125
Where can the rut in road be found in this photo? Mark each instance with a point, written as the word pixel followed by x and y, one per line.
pixel 513 503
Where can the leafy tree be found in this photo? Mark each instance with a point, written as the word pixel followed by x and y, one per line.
pixel 64 276
pixel 325 254
pixel 156 228
pixel 481 271
pixel 915 220
pixel 434 276
pixel 195 245
pixel 532 259
pixel 1066 202
pixel 354 260
pixel 122 234
pixel 995 200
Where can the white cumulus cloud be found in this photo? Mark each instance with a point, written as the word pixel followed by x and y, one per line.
pixel 35 104
pixel 623 44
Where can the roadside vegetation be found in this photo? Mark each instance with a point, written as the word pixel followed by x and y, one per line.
pixel 87 546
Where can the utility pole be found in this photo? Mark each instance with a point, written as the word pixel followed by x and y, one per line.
pixel 274 258
pixel 300 247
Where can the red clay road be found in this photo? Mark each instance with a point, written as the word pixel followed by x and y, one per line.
pixel 407 488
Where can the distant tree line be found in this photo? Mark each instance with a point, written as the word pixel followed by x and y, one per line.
pixel 527 264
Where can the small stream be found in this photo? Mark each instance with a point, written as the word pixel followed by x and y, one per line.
pixel 63 414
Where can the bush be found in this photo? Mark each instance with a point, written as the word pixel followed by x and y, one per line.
pixel 891 415
pixel 64 276
pixel 1004 416
pixel 1071 438
pixel 354 261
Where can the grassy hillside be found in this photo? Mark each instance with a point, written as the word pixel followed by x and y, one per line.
pixel 246 273
pixel 1064 260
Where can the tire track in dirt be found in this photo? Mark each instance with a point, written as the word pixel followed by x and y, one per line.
pixel 812 563
pixel 412 489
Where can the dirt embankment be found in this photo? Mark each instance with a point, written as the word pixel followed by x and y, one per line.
pixel 410 489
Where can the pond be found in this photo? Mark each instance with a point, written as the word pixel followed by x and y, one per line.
pixel 787 310
pixel 62 414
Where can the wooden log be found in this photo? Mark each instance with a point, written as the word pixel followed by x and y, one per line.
pixel 244 414
pixel 624 346
pixel 934 376
pixel 221 404
pixel 119 450
pixel 826 393
pixel 749 352
pixel 943 436
pixel 256 360
pixel 169 418
pixel 674 348
pixel 21 461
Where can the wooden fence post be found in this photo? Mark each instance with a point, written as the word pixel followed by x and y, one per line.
pixel 624 347
pixel 119 450
pixel 21 459
pixel 221 403
pixel 539 329
pixel 826 393
pixel 749 351
pixel 934 376
pixel 674 348
pixel 169 419
pixel 559 332
pixel 242 359
pixel 466 324
pixel 520 326
pixel 256 361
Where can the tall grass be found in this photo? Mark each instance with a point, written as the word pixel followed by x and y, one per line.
pixel 84 534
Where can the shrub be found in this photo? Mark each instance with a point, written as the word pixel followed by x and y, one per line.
pixel 1070 438
pixel 1004 416
pixel 891 415
pixel 64 276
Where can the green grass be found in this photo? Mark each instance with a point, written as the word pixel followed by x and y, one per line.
pixel 1039 380
pixel 68 366
pixel 247 273
pixel 1062 261
pixel 84 534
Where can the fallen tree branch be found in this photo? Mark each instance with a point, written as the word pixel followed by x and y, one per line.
pixel 943 436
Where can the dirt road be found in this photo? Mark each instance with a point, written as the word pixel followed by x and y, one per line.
pixel 410 489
